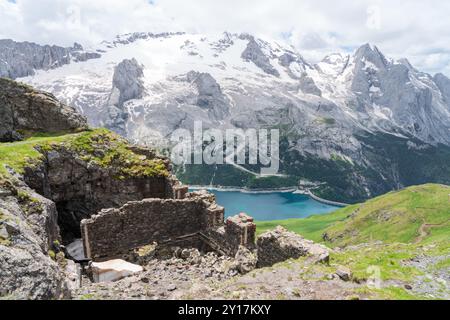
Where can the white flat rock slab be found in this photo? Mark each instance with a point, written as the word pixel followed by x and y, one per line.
pixel 113 270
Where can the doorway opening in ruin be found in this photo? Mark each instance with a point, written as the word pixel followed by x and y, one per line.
pixel 70 215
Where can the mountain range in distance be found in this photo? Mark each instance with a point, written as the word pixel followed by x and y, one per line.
pixel 356 126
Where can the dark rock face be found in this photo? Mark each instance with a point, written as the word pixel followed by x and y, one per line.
pixel 21 59
pixel 210 95
pixel 254 54
pixel 307 85
pixel 444 85
pixel 127 85
pixel 127 80
pixel 280 245
pixel 25 109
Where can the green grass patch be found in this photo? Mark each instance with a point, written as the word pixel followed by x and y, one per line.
pixel 311 228
pixel 398 217
pixel 386 258
pixel 107 149
pixel 17 155
pixel 390 293
pixel 99 146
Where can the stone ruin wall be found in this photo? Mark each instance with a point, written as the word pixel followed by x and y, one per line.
pixel 238 231
pixel 139 223
pixel 191 218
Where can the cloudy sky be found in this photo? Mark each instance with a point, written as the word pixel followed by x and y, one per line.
pixel 416 29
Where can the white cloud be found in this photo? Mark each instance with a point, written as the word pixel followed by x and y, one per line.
pixel 415 29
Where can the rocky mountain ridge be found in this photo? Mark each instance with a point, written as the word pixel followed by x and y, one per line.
pixel 337 117
pixel 21 59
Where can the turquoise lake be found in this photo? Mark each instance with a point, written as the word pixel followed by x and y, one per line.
pixel 270 206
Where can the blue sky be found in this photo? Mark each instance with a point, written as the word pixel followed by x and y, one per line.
pixel 416 29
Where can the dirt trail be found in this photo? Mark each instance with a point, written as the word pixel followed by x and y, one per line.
pixel 424 230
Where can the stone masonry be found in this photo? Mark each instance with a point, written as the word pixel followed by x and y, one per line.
pixel 280 245
pixel 238 231
pixel 116 231
pixel 188 217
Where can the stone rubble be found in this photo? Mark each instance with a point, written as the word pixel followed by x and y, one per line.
pixel 281 245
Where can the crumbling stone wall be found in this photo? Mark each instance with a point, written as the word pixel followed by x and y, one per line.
pixel 116 231
pixel 280 245
pixel 238 231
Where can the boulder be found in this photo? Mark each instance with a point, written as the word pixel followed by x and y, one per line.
pixel 26 109
pixel 281 245
pixel 28 229
pixel 75 250
pixel 245 260
pixel 344 273
pixel 113 270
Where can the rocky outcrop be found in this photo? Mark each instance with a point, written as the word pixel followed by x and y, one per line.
pixel 253 53
pixel 73 179
pixel 28 234
pixel 210 96
pixel 127 85
pixel 24 109
pixel 21 59
pixel 281 245
pixel 96 170
pixel 444 85
pixel 127 82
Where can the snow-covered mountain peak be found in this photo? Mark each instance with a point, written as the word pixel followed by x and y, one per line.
pixel 146 85
pixel 250 74
pixel 334 64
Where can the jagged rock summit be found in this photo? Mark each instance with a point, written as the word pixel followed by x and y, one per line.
pixel 21 59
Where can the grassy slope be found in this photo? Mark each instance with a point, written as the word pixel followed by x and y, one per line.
pixel 394 217
pixel 311 228
pixel 397 219
pixel 100 146
pixel 17 154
